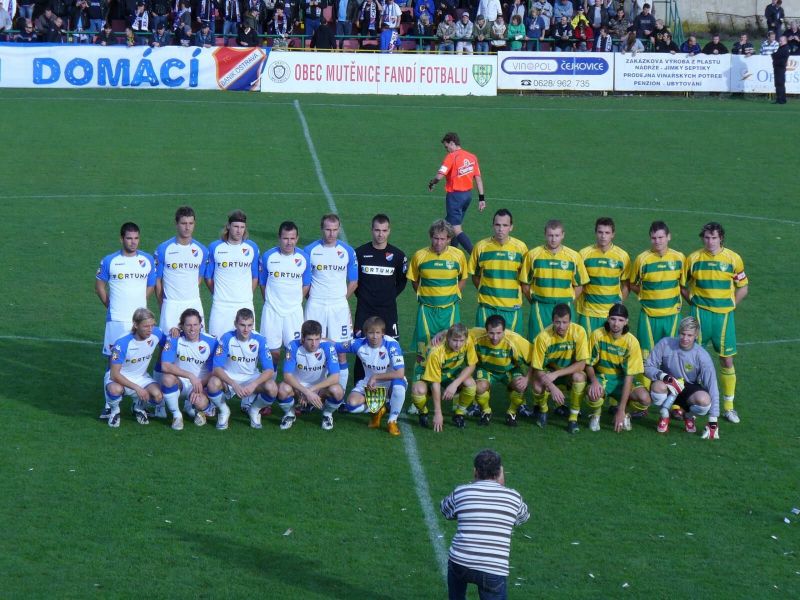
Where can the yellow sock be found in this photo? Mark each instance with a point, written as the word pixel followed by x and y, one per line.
pixel 595 405
pixel 483 402
pixel 464 400
pixel 515 400
pixel 540 400
pixel 575 398
pixel 419 402
pixel 727 384
pixel 636 406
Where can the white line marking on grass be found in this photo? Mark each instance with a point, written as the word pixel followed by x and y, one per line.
pixel 317 166
pixel 424 495
pixel 770 342
pixel 30 338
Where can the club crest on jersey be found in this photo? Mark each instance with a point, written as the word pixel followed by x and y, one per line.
pixel 339 253
pixel 298 261
pixel 142 262
pixel 201 348
pixel 195 251
pixel 389 255
pixel 723 266
pixel 564 264
pixel 252 347
pixel 382 354
pixel 612 263
pixel 149 342
pixel 688 367
pixel 246 251
pixel 317 354
pixel 671 264
pixel 449 264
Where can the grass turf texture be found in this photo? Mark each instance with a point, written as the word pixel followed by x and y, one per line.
pixel 149 512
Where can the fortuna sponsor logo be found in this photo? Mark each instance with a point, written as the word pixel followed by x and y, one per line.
pixel 286 275
pixel 330 268
pixel 192 359
pixel 133 361
pixel 374 270
pixel 233 264
pixel 242 359
pixel 191 266
pixel 310 368
pixel 130 276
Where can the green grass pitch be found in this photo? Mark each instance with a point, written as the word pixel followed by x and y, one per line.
pixel 148 512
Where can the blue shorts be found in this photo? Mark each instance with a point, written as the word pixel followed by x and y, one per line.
pixel 456 205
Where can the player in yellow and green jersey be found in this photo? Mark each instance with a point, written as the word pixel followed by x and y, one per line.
pixel 502 357
pixel 448 370
pixel 715 285
pixel 609 269
pixel 615 361
pixel 558 360
pixel 550 274
pixel 494 264
pixel 657 277
pixel 438 274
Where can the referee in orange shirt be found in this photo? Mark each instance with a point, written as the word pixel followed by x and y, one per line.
pixel 458 169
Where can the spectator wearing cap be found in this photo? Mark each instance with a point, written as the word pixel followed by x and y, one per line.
pixel 691 47
pixel 464 34
pixel 715 46
pixel 579 17
pixel 446 32
pixel 205 37
pixel 140 23
pixel 161 37
pixel 743 47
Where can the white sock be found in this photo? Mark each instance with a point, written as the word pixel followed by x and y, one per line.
pixel 171 400
pixel 344 375
pixel 396 401
pixel 287 406
pixel 258 403
pixel 330 407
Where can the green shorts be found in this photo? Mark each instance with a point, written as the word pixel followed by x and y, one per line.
pixel 612 384
pixel 431 320
pixel 492 378
pixel 542 316
pixel 653 329
pixel 720 328
pixel 512 316
pixel 589 324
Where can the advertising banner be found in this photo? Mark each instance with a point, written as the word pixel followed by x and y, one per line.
pixel 394 74
pixel 579 71
pixel 76 66
pixel 651 72
pixel 754 75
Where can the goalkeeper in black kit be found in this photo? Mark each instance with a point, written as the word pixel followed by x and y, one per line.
pixel 682 373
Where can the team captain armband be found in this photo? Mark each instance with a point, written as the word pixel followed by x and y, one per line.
pixel 740 276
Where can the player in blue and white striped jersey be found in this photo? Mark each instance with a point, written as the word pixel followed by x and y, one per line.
pixel 311 372
pixel 186 363
pixel 384 372
pixel 180 266
pixel 237 359
pixel 231 273
pixel 127 374
pixel 285 277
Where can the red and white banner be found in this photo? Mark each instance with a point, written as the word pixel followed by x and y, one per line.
pixel 393 74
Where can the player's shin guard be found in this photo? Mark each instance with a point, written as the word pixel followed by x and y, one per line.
pixel 595 405
pixel 636 406
pixel 344 374
pixel 515 400
pixel 483 402
pixel 356 410
pixel 576 394
pixel 171 396
pixel 699 410
pixel 419 402
pixel 258 403
pixel 396 401
pixel 330 407
pixel 540 400
pixel 662 401
pixel 217 399
pixel 464 400
pixel 727 385
pixel 287 406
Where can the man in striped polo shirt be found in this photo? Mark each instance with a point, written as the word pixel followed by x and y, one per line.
pixel 494 265
pixel 715 285
pixel 438 274
pixel 486 511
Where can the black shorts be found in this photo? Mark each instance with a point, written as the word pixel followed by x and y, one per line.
pixel 688 390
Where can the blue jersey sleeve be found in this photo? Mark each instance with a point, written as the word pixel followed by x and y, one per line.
pixel 352 265
pixel 151 277
pixel 103 271
pixel 331 360
pixel 290 363
pixel 263 272
pixel 120 350
pixel 307 272
pixel 264 356
pixel 204 261
pixel 396 360
pixel 221 352
pixel 159 257
pixel 255 266
pixel 170 350
pixel 210 262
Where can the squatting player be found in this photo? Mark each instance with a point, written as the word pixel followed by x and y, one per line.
pixel 384 374
pixel 715 285
pixel 311 373
pixel 683 372
pixel 123 282
pixel 180 266
pixel 558 360
pixel 186 364
pixel 334 277
pixel 127 374
pixel 231 273
pixel 237 359
pixel 285 277
pixel 615 360
pixel 448 371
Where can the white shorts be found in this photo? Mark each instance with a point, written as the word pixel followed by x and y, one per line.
pixel 114 331
pixel 142 381
pixel 280 330
pixel 222 317
pixel 228 393
pixel 361 386
pixel 337 325
pixel 171 311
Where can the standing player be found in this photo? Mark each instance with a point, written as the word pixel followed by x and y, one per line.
pixel 123 282
pixel 448 370
pixel 558 362
pixel 715 285
pixel 231 274
pixel 609 269
pixel 334 277
pixel 459 169
pixel 236 372
pixel 683 372
pixel 381 279
pixel 127 373
pixel 384 374
pixel 656 277
pixel 550 274
pixel 285 277
pixel 311 371
pixel 495 264
pixel 438 275
pixel 616 359
pixel 180 266
pixel 186 363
